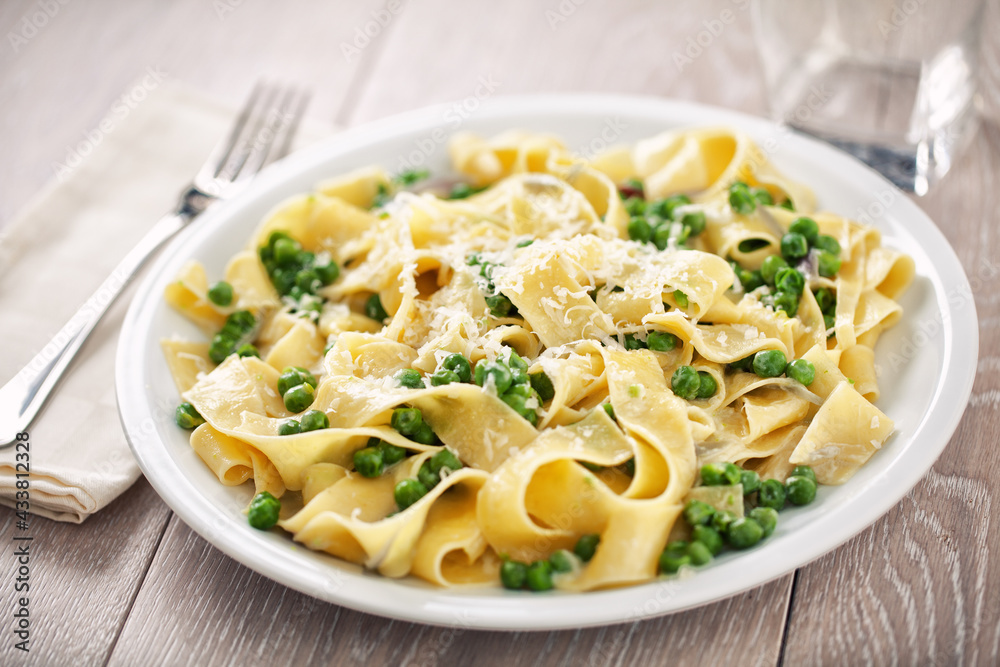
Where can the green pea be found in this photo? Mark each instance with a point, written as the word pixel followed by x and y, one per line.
pixel 661 341
pixel 314 420
pixel 794 246
pixel 266 255
pixel 825 299
pixel 459 365
pixel 283 280
pixel 771 494
pixel 407 492
pixel 800 490
pixel 750 280
pixel 539 576
pixel 807 227
pixel 247 350
pixel 518 367
pixel 721 520
pixel 635 206
pixel 662 233
pixel 640 230
pixel 694 222
pixel 293 376
pixel 791 281
pixel 289 427
pixel 707 386
pixel 406 420
pixel 286 251
pixel 785 301
pixel 802 371
pixel 787 205
pixel 769 363
pixel 685 382
pixel 428 477
pixel 221 293
pixel 698 513
pixel 374 309
pixel 632 342
pixel 762 196
pixel 674 557
pixel 827 243
pixel 804 471
pixel 769 269
pixel 513 574
pixel 274 236
pixel 444 460
pixel 498 371
pixel 299 398
pixel 327 271
pixel 519 404
pixel 720 474
pixel 187 417
pixel 665 207
pixel 368 462
pixel 609 410
pixel 740 198
pixel 698 553
pixel 499 305
pixel 443 376
pixel 744 364
pixel 681 299
pixel 308 281
pixel 409 378
pixel 586 546
pixel 561 561
pixel 750 481
pixel 391 454
pixel 827 264
pixel 708 536
pixel 767 517
pixel 744 533
pixel 263 511
pixel 424 435
pixel 542 384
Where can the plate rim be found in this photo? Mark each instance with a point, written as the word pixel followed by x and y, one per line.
pixel 508 611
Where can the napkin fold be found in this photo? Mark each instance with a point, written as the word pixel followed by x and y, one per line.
pixel 108 191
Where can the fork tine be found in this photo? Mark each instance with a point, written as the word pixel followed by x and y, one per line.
pixel 257 121
pixel 276 119
pixel 220 153
pixel 290 128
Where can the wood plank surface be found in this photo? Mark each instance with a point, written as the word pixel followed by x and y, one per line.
pixel 919 587
pixel 199 607
pixel 83 578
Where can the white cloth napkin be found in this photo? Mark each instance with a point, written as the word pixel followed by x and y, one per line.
pixel 119 179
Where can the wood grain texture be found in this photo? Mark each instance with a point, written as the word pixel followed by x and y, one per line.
pixel 538 47
pixel 83 578
pixel 200 607
pixel 58 85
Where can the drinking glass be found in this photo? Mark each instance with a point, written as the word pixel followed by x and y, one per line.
pixel 892 82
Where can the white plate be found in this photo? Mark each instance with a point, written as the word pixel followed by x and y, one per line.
pixel 928 363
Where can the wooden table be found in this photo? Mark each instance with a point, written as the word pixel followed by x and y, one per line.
pixel 134 585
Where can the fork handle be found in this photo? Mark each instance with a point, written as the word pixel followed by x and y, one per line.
pixel 25 394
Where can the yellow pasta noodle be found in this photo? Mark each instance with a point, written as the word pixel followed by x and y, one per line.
pixel 531 376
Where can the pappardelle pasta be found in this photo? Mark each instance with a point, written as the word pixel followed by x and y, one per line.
pixel 557 372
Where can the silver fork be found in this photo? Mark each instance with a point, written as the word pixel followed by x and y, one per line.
pixel 262 133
